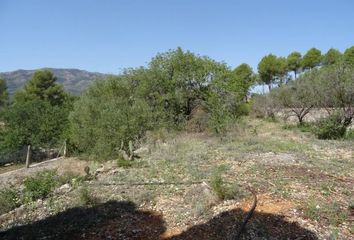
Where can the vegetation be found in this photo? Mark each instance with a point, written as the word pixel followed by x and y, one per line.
pixel 9 199
pixel 38 116
pixel 40 185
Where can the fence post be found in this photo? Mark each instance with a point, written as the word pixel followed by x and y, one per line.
pixel 64 153
pixel 28 156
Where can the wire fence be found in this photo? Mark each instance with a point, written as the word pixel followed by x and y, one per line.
pixel 34 154
pixel 16 156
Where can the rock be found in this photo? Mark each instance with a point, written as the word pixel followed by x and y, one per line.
pixel 100 170
pixel 64 188
pixel 141 150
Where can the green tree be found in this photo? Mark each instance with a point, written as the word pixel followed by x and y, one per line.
pixel 4 96
pixel 35 123
pixel 331 57
pixel 311 59
pixel 43 86
pixel 298 97
pixel 38 116
pixel 244 79
pixel 294 62
pixel 282 70
pixel 268 69
pixel 175 81
pixel 349 56
pixel 106 117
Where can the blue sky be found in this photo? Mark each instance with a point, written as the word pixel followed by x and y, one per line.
pixel 107 35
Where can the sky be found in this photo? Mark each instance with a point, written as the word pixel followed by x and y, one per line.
pixel 110 35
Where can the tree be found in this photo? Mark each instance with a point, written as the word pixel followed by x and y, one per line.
pixel 294 62
pixel 334 87
pixel 43 86
pixel 282 70
pixel 38 116
pixel 4 96
pixel 349 56
pixel 106 117
pixel 244 79
pixel 268 69
pixel 298 96
pixel 311 59
pixel 35 122
pixel 331 57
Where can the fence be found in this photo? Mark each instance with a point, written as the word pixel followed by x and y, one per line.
pixel 26 154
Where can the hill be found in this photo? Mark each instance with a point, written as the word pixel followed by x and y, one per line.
pixel 74 80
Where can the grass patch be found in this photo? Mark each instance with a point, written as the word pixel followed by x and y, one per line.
pixel 86 197
pixel 223 190
pixel 40 185
pixel 9 200
pixel 330 212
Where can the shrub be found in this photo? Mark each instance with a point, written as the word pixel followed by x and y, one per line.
pixel 86 197
pixel 40 185
pixel 223 191
pixel 350 134
pixel 124 163
pixel 330 127
pixel 106 116
pixel 9 199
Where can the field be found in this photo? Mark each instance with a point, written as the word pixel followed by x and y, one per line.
pixel 196 186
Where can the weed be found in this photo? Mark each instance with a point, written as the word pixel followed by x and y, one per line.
pixel 349 134
pixel 222 190
pixel 86 197
pixel 9 200
pixel 40 185
pixel 312 210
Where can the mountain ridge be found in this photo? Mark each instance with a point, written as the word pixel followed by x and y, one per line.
pixel 74 80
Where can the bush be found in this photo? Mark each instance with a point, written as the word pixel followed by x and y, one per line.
pixel 330 128
pixel 86 197
pixel 40 185
pixel 9 200
pixel 350 134
pixel 106 116
pixel 223 191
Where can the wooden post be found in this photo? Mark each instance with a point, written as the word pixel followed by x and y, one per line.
pixel 28 156
pixel 64 153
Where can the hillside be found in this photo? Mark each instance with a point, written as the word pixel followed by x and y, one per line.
pixel 195 186
pixel 74 80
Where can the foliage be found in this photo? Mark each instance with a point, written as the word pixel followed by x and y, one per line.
pixel 35 123
pixel 294 62
pixel 265 106
pixel 298 96
pixel 9 200
pixel 4 96
pixel 40 185
pixel 86 197
pixel 268 69
pixel 107 115
pixel 38 115
pixel 244 78
pixel 330 127
pixel 163 95
pixel 332 56
pixel 311 59
pixel 221 189
pixel 334 87
pixel 349 56
pixel 43 86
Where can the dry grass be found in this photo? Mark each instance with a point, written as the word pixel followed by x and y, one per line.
pixel 291 171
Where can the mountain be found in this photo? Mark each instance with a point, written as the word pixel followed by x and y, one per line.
pixel 73 80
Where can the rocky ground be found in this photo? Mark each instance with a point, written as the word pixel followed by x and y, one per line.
pixel 304 186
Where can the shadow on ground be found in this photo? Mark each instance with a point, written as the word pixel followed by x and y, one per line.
pixel 121 220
